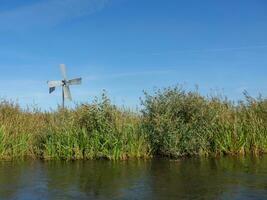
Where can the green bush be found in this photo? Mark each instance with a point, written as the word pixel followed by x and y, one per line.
pixel 180 123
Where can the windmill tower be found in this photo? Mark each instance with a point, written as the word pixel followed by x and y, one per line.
pixel 65 84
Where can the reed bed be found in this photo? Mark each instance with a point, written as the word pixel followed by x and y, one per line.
pixel 180 123
pixel 172 123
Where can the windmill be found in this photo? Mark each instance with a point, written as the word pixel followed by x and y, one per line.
pixel 65 84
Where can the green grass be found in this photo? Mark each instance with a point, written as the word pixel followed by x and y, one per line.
pixel 172 123
pixel 14 146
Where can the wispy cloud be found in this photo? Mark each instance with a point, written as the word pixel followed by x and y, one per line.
pixel 21 82
pixel 48 13
pixel 129 74
pixel 212 50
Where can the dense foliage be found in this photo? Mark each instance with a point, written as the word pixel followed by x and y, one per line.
pixel 180 123
pixel 172 123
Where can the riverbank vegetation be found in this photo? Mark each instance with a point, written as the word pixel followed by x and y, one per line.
pixel 172 123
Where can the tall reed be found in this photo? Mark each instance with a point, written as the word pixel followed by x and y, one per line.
pixel 180 123
pixel 173 122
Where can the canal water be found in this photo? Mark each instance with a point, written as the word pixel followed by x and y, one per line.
pixel 224 178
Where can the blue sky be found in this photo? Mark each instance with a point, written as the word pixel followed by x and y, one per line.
pixel 126 46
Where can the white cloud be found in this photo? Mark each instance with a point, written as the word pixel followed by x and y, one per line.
pixel 129 74
pixel 48 13
pixel 212 50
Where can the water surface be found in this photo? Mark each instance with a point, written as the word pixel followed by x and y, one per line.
pixel 225 178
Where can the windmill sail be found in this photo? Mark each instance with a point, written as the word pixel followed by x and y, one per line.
pixel 63 71
pixel 54 83
pixel 67 94
pixel 76 81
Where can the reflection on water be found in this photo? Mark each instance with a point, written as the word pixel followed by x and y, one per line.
pixel 225 178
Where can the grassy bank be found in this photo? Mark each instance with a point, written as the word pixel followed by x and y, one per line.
pixel 172 123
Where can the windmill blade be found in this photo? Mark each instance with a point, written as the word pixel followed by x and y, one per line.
pixel 52 89
pixel 76 81
pixel 54 83
pixel 63 71
pixel 67 94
